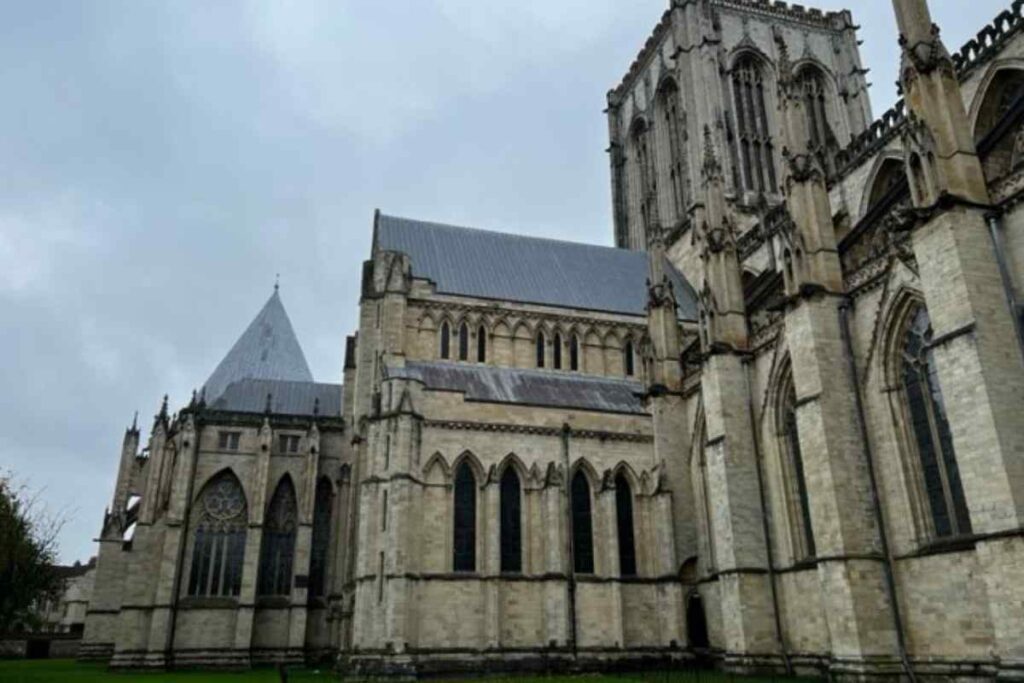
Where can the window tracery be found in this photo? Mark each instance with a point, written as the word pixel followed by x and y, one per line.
pixel 278 549
pixel 673 121
pixel 218 547
pixel 929 427
pixel 753 133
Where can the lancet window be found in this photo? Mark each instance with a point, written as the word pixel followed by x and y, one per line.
pixel 624 525
pixel 673 123
pixel 277 553
pixel 464 545
pixel 582 525
pixel 322 509
pixel 811 82
pixel 511 522
pixel 756 149
pixel 218 547
pixel 446 340
pixel 481 345
pixel 794 479
pixel 929 428
pixel 463 342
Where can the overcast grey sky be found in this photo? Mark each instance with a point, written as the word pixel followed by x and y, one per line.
pixel 161 161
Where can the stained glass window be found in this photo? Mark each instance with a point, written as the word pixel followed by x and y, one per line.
pixel 219 543
pixel 278 550
pixel 322 509
pixel 930 429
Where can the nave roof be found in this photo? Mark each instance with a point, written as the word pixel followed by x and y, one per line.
pixel 506 267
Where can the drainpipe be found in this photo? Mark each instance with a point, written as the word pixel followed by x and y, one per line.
pixel 175 598
pixel 747 362
pixel 571 583
pixel 890 579
pixel 995 230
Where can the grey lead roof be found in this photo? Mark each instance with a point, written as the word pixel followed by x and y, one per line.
pixel 527 387
pixel 287 398
pixel 267 349
pixel 505 267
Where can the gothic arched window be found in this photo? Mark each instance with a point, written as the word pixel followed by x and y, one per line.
pixel 218 548
pixel 278 550
pixel 574 353
pixel 322 508
pixel 582 525
pixel 753 134
pixel 811 82
pixel 998 129
pixel 644 172
pixel 929 428
pixel 672 121
pixel 557 351
pixel 624 524
pixel 628 359
pixel 793 474
pixel 464 545
pixel 511 522
pixel 540 349
pixel 463 342
pixel 481 345
pixel 446 340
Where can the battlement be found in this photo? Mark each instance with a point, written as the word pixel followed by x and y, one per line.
pixel 770 9
pixel 976 52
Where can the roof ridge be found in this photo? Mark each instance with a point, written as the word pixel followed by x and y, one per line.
pixel 504 233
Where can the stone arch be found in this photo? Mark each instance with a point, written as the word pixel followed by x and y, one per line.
pixel 478 469
pixel 627 471
pixel 752 84
pixel 224 471
pixel 997 130
pixel 670 126
pixel 888 172
pixel 436 470
pixel 523 340
pixel 512 460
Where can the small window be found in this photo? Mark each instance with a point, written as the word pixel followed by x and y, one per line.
pixel 384 513
pixel 446 341
pixel 558 351
pixel 288 443
pixel 481 345
pixel 627 358
pixel 574 354
pixel 540 349
pixel 463 342
pixel 228 441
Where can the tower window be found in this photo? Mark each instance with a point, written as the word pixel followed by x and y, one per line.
pixel 756 148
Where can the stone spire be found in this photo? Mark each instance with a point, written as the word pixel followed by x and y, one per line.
pixel 942 159
pixel 810 257
pixel 723 319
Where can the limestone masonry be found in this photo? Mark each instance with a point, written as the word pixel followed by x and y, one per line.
pixel 778 428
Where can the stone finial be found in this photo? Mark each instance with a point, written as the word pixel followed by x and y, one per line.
pixel 712 167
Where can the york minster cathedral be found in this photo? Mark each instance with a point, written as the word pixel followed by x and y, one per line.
pixel 777 427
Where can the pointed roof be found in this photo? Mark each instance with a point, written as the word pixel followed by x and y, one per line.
pixel 268 349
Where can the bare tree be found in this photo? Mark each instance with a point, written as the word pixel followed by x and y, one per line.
pixel 28 551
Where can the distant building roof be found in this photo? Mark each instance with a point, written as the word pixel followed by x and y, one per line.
pixel 505 267
pixel 286 397
pixel 527 387
pixel 268 349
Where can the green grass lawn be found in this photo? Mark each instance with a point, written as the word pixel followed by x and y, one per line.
pixel 34 671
